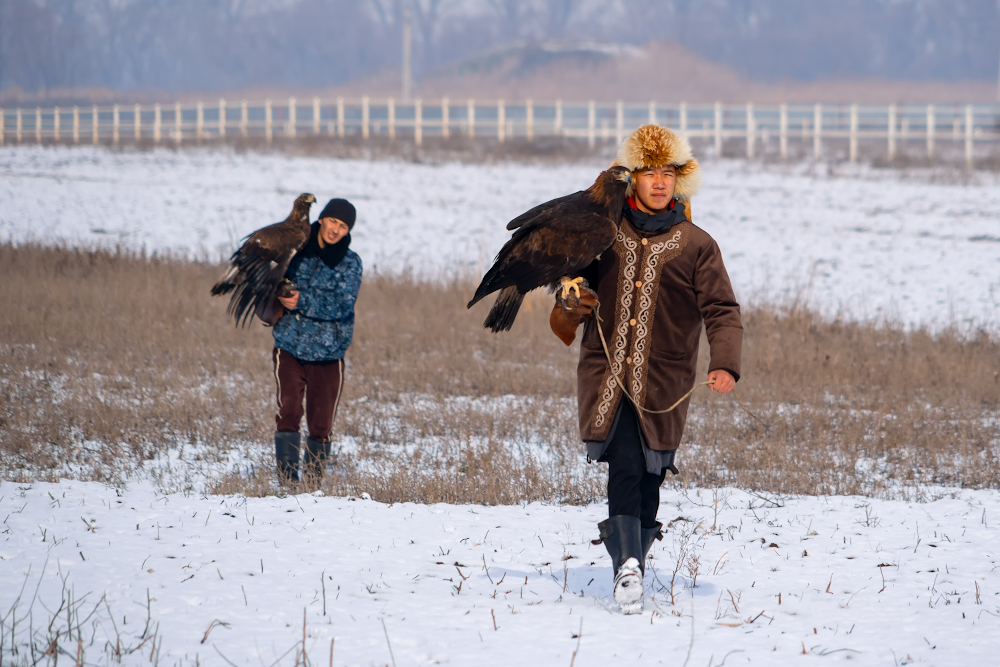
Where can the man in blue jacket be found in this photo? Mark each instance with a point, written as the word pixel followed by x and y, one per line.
pixel 311 339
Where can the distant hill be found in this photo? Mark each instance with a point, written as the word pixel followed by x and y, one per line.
pixel 660 71
pixel 577 71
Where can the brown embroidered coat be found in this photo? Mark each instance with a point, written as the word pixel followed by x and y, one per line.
pixel 655 291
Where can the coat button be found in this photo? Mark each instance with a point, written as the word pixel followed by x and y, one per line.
pixel 632 322
pixel 638 283
pixel 628 360
pixel 645 242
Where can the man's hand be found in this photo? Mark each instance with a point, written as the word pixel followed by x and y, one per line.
pixel 723 381
pixel 290 301
pixel 569 312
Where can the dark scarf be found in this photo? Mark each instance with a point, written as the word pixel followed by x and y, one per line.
pixel 654 223
pixel 331 254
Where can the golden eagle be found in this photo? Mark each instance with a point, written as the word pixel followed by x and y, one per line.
pixel 256 273
pixel 553 243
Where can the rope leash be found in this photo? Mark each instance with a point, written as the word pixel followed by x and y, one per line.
pixel 607 354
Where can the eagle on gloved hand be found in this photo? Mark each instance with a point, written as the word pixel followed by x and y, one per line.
pixel 256 274
pixel 552 243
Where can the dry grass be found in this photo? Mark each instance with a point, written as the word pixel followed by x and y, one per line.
pixel 110 361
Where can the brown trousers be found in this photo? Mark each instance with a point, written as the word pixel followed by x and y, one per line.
pixel 320 381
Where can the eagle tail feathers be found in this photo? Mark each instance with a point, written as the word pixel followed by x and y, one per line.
pixel 503 312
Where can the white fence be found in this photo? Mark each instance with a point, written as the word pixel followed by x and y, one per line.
pixel 755 128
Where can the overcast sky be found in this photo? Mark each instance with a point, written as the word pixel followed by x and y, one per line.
pixel 175 45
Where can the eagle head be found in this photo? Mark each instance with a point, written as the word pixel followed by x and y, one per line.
pixel 307 198
pixel 621 174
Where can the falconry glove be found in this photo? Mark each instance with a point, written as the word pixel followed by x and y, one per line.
pixel 570 310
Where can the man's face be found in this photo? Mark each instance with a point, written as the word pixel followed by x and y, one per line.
pixel 654 188
pixel 331 230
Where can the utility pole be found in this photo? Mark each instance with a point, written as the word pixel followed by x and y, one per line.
pixel 407 53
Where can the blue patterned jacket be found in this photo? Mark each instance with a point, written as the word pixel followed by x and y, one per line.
pixel 322 325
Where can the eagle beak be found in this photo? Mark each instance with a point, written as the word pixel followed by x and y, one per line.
pixel 625 176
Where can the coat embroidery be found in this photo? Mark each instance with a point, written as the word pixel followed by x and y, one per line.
pixel 627 248
pixel 657 255
pixel 648 264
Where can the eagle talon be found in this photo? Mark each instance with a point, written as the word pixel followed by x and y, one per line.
pixel 571 285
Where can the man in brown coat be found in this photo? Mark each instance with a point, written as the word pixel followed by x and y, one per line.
pixel 656 285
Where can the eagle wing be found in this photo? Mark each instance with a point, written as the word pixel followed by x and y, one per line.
pixel 258 267
pixel 540 210
pixel 560 239
pixel 262 261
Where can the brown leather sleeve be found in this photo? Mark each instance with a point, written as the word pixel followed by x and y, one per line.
pixel 719 309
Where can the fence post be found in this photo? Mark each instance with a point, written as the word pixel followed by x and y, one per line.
pixel 783 130
pixel 501 120
pixel 969 133
pixel 316 115
pixel 292 119
pixel 391 111
pixel 137 122
pixel 115 124
pixel 591 123
pixel 418 122
pixel 55 124
pixel 178 123
pixel 684 119
pixel 268 129
pixel 340 117
pixel 718 129
pixel 244 119
pixel 854 133
pixel 76 125
pixel 930 131
pixel 751 131
pixel 558 122
pixel 891 133
pixel 651 113
pixel 471 117
pixel 445 118
pixel 529 112
pixel 620 122
pixel 157 122
pixel 817 131
pixel 222 118
pixel 3 126
pixel 364 117
pixel 199 121
pixel 38 125
pixel 94 126
pixel 19 120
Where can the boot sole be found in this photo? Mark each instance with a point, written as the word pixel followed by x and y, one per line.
pixel 628 589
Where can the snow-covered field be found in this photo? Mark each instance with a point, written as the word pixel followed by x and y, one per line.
pixel 852 580
pixel 211 580
pixel 867 243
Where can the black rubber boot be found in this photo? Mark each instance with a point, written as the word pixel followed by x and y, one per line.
pixel 648 536
pixel 286 452
pixel 317 454
pixel 622 537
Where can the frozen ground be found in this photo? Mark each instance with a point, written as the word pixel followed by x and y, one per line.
pixel 466 585
pixel 868 243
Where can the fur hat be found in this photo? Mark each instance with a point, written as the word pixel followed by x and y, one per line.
pixel 655 146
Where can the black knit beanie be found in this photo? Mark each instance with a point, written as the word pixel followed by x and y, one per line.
pixel 340 209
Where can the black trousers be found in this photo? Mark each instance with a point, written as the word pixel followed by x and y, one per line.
pixel 631 490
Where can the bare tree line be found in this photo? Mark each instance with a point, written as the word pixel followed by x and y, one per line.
pixel 224 44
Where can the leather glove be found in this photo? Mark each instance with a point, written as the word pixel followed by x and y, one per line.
pixel 569 312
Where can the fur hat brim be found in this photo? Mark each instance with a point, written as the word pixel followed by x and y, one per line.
pixel 654 146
